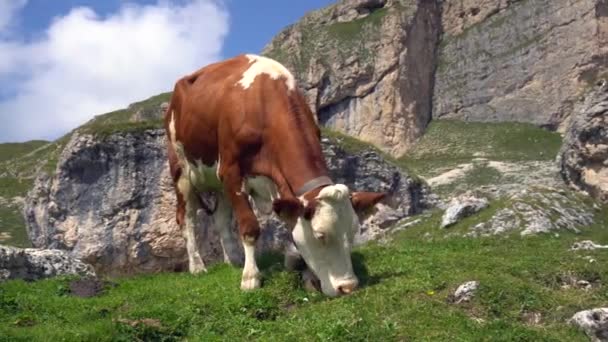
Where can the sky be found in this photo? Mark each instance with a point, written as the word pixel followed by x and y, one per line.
pixel 64 61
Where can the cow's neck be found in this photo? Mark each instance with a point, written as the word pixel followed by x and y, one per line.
pixel 312 184
pixel 305 172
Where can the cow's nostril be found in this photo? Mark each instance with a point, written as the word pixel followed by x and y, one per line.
pixel 347 288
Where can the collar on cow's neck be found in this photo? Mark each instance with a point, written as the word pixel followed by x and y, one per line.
pixel 313 184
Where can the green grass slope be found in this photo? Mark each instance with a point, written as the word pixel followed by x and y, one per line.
pixel 121 120
pixel 447 143
pixel 12 150
pixel 404 296
pixel 451 144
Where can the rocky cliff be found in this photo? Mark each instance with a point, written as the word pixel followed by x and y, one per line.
pixel 366 67
pixel 111 202
pixel 584 155
pixel 381 69
pixel 518 60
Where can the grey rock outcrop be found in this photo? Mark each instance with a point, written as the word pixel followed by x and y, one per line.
pixel 34 264
pixel 537 210
pixel 583 158
pixel 593 322
pixel 461 207
pixel 512 60
pixel 111 202
pixel 366 67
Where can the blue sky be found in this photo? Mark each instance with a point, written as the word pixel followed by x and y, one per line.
pixel 64 61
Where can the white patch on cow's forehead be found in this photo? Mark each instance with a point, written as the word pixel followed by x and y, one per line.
pixel 263 65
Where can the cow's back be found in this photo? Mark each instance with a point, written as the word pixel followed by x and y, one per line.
pixel 198 102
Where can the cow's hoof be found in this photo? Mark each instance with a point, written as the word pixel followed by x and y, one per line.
pixel 251 283
pixel 197 268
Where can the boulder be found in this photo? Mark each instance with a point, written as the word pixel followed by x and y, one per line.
pixel 461 207
pixel 593 322
pixel 35 264
pixel 465 292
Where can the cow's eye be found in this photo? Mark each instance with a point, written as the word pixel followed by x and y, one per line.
pixel 320 236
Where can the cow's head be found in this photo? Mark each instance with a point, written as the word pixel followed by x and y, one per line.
pixel 323 230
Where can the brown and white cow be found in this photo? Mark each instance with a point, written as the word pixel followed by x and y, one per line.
pixel 241 128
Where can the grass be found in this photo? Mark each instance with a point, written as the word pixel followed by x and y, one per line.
pixel 406 285
pixel 106 130
pixel 12 230
pixel 448 143
pixel 11 187
pixel 351 30
pixel 479 175
pixel 348 143
pixel 12 150
pixel 121 120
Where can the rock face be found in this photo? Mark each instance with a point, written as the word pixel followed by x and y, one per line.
pixel 366 67
pixel 517 60
pixel 593 322
pixel 380 69
pixel 111 202
pixel 34 264
pixel 584 154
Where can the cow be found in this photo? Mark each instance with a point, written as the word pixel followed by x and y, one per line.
pixel 242 130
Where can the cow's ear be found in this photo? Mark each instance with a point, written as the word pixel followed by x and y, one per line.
pixel 287 208
pixel 364 202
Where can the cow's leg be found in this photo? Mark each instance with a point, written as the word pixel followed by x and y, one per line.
pixel 190 227
pixel 249 229
pixel 223 223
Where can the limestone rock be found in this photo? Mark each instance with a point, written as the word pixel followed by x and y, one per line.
pixel 34 264
pixel 111 203
pixel 584 155
pixel 513 60
pixel 366 67
pixel 461 207
pixel 536 210
pixel 586 245
pixel 465 292
pixel 593 322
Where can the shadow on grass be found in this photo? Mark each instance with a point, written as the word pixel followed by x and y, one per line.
pixel 365 278
pixel 271 263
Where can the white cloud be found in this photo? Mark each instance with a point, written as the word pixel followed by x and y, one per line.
pixel 88 65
